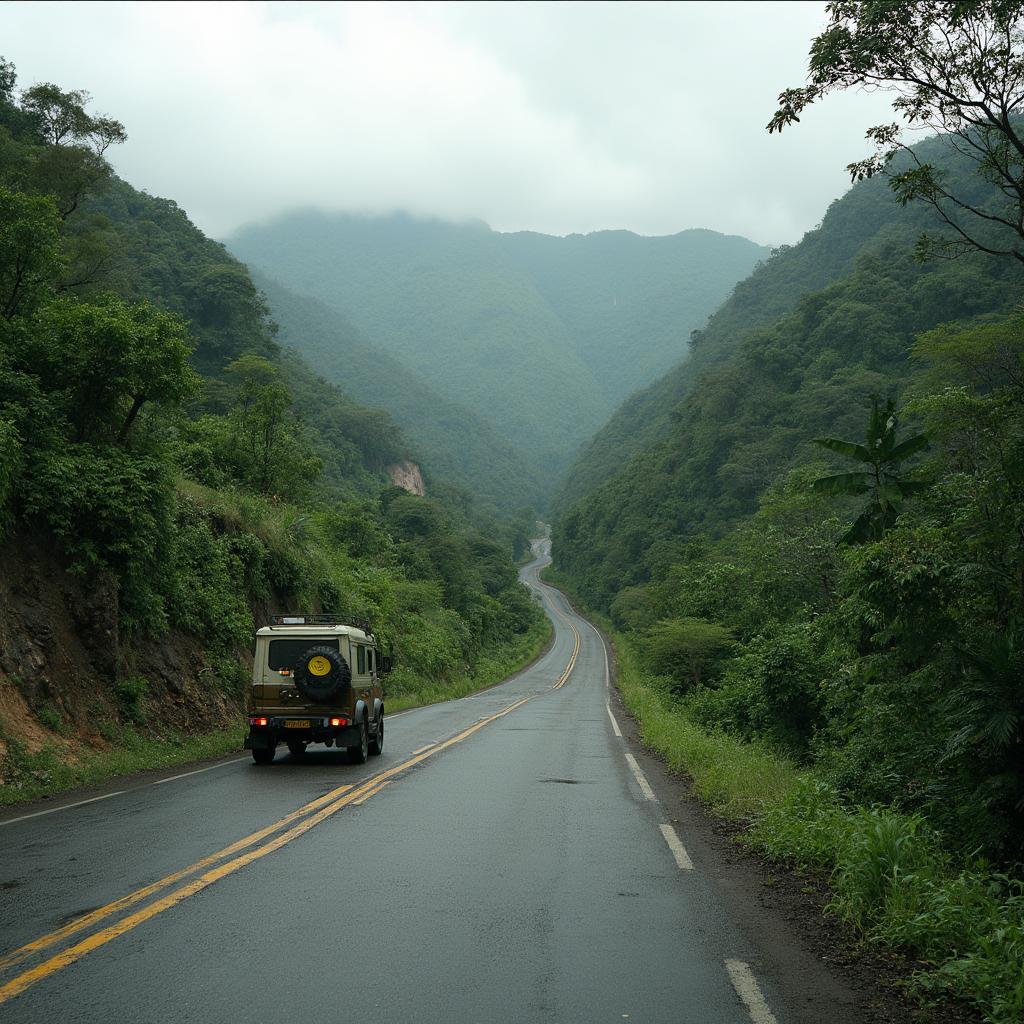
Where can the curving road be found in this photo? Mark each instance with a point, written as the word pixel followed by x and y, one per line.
pixel 508 858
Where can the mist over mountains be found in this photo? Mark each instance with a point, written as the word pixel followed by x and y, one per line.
pixel 540 336
pixel 456 446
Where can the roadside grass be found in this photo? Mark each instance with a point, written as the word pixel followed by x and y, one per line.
pixel 739 780
pixel 49 771
pixel 891 879
pixel 404 689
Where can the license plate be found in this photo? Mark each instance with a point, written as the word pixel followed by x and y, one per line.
pixel 297 723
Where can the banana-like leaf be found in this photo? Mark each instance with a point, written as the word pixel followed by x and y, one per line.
pixel 890 495
pixel 855 451
pixel 842 483
pixel 911 446
pixel 863 529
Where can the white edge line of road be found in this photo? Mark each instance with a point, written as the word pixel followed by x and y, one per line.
pixel 747 988
pixel 675 844
pixel 641 779
pixel 63 807
pixel 615 725
pixel 197 771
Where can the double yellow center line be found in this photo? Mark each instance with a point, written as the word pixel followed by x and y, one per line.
pixel 224 862
pixel 575 653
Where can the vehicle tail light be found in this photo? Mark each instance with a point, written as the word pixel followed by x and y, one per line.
pixel 259 721
pixel 339 721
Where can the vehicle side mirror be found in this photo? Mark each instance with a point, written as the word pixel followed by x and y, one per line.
pixel 386 664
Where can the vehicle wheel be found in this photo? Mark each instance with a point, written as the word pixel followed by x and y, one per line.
pixel 359 753
pixel 377 743
pixel 296 748
pixel 264 755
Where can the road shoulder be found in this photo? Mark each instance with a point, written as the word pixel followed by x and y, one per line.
pixel 781 911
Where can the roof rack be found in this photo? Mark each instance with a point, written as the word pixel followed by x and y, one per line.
pixel 320 619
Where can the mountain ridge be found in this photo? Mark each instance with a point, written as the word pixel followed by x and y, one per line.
pixel 540 335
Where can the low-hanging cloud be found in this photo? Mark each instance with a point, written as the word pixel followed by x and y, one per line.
pixel 552 117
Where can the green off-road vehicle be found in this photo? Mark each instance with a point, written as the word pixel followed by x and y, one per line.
pixel 316 679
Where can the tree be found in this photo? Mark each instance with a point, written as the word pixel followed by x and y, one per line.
pixel 63 120
pixel 687 649
pixel 955 68
pixel 882 481
pixel 273 453
pixel 107 359
pixel 30 254
pixel 71 162
pixel 20 124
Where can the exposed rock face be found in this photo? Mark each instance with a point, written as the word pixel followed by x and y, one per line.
pixel 61 650
pixel 407 475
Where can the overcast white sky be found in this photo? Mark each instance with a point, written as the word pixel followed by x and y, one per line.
pixel 553 117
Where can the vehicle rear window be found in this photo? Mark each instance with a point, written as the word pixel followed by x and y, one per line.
pixel 286 653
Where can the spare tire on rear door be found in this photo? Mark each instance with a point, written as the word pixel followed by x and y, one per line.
pixel 322 675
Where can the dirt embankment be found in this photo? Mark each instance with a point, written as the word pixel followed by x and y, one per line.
pixel 62 655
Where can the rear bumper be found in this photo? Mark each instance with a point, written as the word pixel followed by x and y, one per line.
pixel 268 736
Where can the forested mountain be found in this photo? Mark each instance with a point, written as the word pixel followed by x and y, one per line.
pixel 692 454
pixel 540 336
pixel 457 446
pixel 865 220
pixel 145 249
pixel 169 473
pixel 796 576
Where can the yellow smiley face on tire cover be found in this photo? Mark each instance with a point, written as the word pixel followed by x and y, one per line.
pixel 318 666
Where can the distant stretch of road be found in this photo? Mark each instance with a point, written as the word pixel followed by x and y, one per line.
pixel 506 859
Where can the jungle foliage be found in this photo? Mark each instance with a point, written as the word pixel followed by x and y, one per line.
pixel 870 589
pixel 154 428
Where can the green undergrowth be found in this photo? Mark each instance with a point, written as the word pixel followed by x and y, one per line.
pixel 891 879
pixel 49 771
pixel 406 689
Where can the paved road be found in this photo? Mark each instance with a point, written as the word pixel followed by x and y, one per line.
pixel 506 859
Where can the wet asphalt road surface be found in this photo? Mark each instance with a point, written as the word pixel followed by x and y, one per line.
pixel 522 872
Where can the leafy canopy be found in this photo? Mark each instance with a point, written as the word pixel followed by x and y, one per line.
pixel 107 359
pixel 955 68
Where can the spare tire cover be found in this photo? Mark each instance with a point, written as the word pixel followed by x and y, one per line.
pixel 322 675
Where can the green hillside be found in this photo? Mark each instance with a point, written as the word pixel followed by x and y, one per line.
pixel 540 336
pixel 457 447
pixel 146 249
pixel 182 471
pixel 693 453
pixel 865 219
pixel 882 651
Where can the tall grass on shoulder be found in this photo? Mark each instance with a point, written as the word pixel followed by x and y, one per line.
pixel 48 771
pixel 406 689
pixel 891 879
pixel 893 883
pixel 738 779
